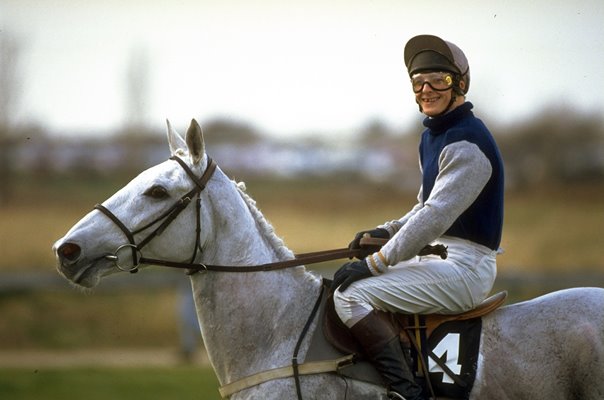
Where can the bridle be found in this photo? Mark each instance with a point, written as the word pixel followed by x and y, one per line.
pixel 167 217
pixel 170 215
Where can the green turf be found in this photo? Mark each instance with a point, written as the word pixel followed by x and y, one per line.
pixel 180 383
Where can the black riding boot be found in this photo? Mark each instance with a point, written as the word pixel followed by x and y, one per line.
pixel 381 344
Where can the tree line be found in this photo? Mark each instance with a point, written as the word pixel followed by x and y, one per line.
pixel 553 148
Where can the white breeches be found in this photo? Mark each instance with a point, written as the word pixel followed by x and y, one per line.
pixel 424 285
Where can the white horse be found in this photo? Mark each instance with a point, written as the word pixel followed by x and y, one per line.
pixel 548 348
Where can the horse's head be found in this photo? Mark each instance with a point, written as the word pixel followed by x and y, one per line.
pixel 152 210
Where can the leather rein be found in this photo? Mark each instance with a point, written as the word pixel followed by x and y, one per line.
pixel 170 215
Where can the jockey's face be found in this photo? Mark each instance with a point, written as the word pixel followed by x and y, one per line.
pixel 433 92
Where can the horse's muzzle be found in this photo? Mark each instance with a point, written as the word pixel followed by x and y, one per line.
pixel 68 253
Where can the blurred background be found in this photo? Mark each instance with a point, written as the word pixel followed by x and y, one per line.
pixel 307 102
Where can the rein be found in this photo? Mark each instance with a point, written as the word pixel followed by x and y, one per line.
pixel 192 267
pixel 299 260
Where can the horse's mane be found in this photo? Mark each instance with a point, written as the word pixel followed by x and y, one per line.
pixel 265 227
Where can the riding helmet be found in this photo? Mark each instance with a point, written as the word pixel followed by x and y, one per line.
pixel 431 53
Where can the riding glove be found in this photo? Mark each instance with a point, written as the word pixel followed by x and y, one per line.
pixel 349 273
pixel 367 250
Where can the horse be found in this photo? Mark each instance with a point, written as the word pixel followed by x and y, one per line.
pixel 551 347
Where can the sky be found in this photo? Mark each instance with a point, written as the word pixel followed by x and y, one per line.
pixel 293 67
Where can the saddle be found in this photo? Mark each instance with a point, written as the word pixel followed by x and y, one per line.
pixel 339 336
pixel 333 342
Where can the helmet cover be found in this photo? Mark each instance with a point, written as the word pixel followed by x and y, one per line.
pixel 431 53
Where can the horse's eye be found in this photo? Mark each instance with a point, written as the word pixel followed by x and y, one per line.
pixel 157 192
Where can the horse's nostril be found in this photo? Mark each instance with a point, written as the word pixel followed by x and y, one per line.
pixel 69 251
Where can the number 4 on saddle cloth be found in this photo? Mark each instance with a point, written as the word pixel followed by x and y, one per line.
pixel 445 347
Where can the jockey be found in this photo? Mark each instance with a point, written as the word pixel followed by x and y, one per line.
pixel 460 204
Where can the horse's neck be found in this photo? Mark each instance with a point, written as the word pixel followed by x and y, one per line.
pixel 250 321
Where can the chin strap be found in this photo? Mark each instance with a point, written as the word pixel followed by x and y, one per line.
pixel 451 102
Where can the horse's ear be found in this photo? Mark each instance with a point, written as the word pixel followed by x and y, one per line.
pixel 195 142
pixel 175 141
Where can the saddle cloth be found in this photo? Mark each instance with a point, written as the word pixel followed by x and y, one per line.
pixel 332 339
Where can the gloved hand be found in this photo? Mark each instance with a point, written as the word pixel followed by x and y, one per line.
pixel 367 250
pixel 349 273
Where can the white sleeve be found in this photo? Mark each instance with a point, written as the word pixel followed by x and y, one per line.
pixel 464 170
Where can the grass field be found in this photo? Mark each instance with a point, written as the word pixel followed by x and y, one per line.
pixel 71 319
pixel 180 383
pixel 548 231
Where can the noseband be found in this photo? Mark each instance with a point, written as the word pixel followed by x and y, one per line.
pixel 167 217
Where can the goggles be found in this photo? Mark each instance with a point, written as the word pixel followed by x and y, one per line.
pixel 439 81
